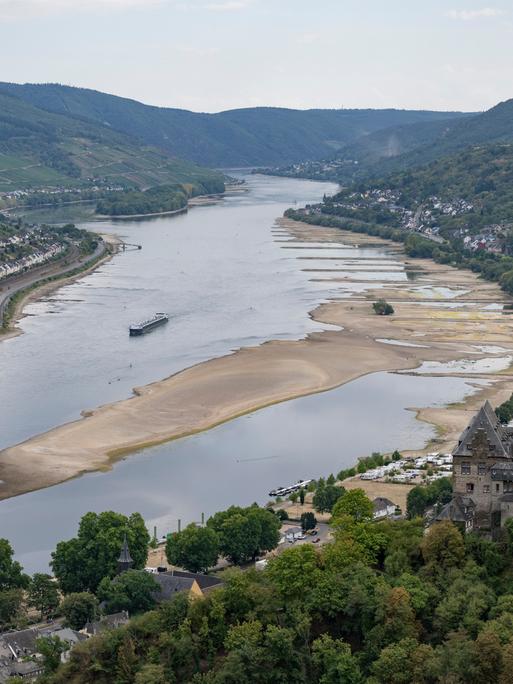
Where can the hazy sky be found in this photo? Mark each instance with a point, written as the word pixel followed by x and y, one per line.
pixel 209 55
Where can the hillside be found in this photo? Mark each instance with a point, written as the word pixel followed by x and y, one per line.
pixel 242 137
pixel 42 149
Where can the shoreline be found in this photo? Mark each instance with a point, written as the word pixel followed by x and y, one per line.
pixel 221 389
pixel 40 289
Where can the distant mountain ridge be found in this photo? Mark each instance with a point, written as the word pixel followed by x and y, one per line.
pixel 493 126
pixel 41 149
pixel 240 137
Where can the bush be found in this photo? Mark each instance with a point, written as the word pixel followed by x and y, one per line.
pixel 382 308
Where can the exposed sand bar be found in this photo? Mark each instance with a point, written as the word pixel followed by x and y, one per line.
pixel 218 390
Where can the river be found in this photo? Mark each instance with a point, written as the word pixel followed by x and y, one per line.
pixel 227 280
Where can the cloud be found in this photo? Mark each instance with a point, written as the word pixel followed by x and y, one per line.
pixel 470 15
pixel 29 8
pixel 308 38
pixel 228 5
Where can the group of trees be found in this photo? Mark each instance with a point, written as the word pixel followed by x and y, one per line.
pixel 385 603
pixel 239 534
pixel 159 198
pixel 422 497
pixel 152 201
pixel 505 410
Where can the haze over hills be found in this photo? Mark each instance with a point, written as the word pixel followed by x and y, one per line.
pixel 241 137
pixel 41 149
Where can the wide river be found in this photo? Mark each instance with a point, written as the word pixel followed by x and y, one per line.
pixel 226 281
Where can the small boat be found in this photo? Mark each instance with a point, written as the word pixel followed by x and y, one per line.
pixel 283 491
pixel 149 325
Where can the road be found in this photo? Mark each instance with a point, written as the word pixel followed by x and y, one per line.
pixel 68 263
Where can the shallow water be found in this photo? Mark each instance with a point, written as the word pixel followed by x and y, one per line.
pixel 235 463
pixel 226 281
pixel 216 270
pixel 465 366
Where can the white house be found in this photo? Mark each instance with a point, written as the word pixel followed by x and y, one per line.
pixel 383 508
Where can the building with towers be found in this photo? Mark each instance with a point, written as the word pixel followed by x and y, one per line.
pixel 482 475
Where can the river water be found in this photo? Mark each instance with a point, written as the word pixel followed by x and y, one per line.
pixel 227 281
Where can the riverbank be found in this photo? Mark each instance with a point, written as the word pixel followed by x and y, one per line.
pixel 50 282
pixel 221 389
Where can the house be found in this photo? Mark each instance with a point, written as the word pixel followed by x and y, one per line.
pixel 383 508
pixel 482 475
pixel 205 582
pixel 460 511
pixel 172 584
pixel 17 645
pixel 19 656
pixel 105 623
pixel 68 635
pixel 28 670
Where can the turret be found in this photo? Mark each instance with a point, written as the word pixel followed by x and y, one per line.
pixel 125 561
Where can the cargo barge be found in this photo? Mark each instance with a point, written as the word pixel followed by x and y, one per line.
pixel 149 325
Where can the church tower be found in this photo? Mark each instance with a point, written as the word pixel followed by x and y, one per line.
pixel 125 561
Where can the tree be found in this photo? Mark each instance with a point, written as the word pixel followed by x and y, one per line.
pixel 416 502
pixel 334 663
pixel 51 648
pixel 151 674
pixel 442 548
pixel 295 571
pixel 395 664
pixel 132 591
pixel 11 572
pixel 195 548
pixel 245 532
pixel 302 496
pixel 10 605
pixel 356 504
pixel 82 562
pixel 382 308
pixel 308 521
pixel 326 496
pixel 79 608
pixel 488 657
pixel 43 594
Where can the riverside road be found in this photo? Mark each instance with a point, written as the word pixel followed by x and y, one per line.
pixel 67 264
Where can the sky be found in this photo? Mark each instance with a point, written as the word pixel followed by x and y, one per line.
pixel 212 55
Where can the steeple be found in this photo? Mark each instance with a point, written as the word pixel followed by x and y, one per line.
pixel 125 561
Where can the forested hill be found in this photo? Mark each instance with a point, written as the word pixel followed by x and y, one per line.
pixel 241 137
pixel 494 125
pixel 43 149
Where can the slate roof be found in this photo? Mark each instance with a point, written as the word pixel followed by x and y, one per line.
pixel 204 581
pixel 22 642
pixel 381 502
pixel 108 622
pixel 171 584
pixel 124 556
pixel 459 509
pixel 69 635
pixel 498 436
